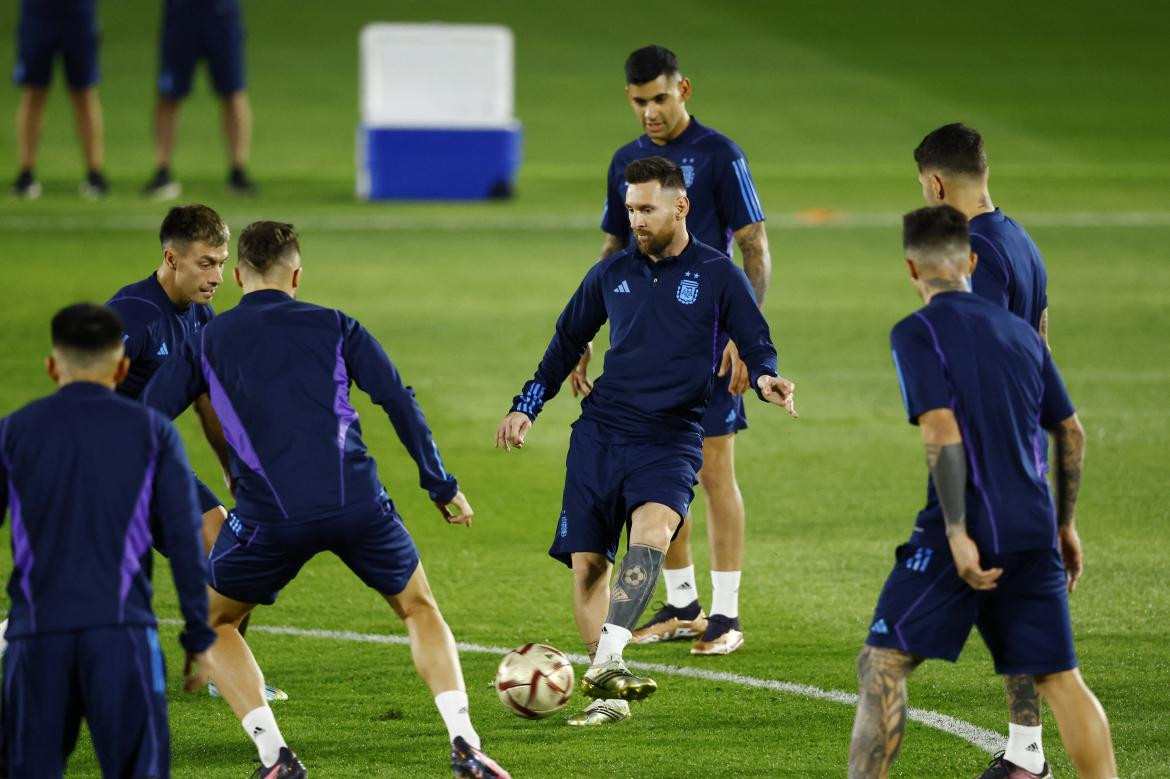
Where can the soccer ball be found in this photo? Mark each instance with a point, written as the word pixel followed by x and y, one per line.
pixel 534 681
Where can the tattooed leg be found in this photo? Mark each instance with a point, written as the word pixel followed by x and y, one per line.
pixel 1023 700
pixel 881 711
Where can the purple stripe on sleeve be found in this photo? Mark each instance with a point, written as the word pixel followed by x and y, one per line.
pixel 976 478
pixel 346 415
pixel 22 554
pixel 715 341
pixel 138 538
pixel 233 428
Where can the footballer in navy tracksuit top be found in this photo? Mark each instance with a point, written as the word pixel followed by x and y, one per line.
pixel 155 329
pixel 723 199
pixel 279 372
pixel 81 632
pixel 993 371
pixel 639 438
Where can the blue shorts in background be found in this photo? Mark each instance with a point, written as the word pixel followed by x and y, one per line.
pixel 926 610
pixel 113 677
pixel 252 562
pixel 48 29
pixel 192 31
pixel 725 413
pixel 605 480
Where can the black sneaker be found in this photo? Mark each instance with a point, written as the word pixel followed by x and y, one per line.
pixel 467 762
pixel 1002 768
pixel 722 636
pixel 287 766
pixel 238 183
pixel 94 187
pixel 26 186
pixel 162 186
pixel 671 623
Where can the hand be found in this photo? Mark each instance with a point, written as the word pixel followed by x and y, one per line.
pixel 1070 552
pixel 579 378
pixel 195 673
pixel 512 430
pixel 779 391
pixel 739 372
pixel 462 516
pixel 966 556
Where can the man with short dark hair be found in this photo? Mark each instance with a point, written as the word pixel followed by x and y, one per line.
pixel 193 30
pixel 82 633
pixel 637 447
pixel 49 28
pixel 164 310
pixel 724 206
pixel 953 170
pixel 309 487
pixel 982 387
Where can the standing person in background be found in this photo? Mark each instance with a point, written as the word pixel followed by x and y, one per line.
pixel 194 30
pixel 69 28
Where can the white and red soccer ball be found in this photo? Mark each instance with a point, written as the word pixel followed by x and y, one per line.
pixel 534 681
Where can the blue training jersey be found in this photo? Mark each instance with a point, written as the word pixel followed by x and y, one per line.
pixel 278 372
pixel 90 480
pixel 665 320
pixel 972 356
pixel 719 184
pixel 1010 271
pixel 155 329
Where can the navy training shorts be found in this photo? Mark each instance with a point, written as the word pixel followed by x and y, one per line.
pixel 114 677
pixel 213 31
pixel 252 562
pixel 73 32
pixel 606 480
pixel 725 412
pixel 926 610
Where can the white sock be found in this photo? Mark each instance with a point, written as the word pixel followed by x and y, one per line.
pixel 613 641
pixel 454 711
pixel 261 726
pixel 3 633
pixel 725 593
pixel 1024 747
pixel 680 586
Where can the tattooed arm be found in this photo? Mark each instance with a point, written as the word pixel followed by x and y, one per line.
pixel 613 244
pixel 948 470
pixel 1070 459
pixel 752 241
pixel 880 722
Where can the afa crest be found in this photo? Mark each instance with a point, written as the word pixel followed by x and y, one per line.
pixel 688 171
pixel 688 289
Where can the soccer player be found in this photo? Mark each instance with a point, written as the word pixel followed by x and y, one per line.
pixel 278 372
pixel 724 205
pixel 952 169
pixel 214 31
pixel 84 514
pixel 48 28
pixel 164 310
pixel 989 549
pixel 637 447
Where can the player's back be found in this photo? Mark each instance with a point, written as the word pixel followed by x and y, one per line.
pixel 81 466
pixel 998 378
pixel 278 372
pixel 1010 271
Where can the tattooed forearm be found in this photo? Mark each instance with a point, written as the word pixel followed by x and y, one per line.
pixel 1070 459
pixel 1023 700
pixel 881 711
pixel 948 471
pixel 752 241
pixel 613 244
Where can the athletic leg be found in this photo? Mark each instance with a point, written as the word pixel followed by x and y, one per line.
pixel 725 533
pixel 1084 729
pixel 166 130
pixel 237 127
pixel 1025 746
pixel 880 722
pixel 87 109
pixel 30 116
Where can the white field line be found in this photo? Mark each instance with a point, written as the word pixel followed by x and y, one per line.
pixel 397 222
pixel 987 740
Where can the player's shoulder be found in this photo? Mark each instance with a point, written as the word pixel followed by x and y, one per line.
pixel 634 150
pixel 616 260
pixel 713 140
pixel 136 303
pixel 709 257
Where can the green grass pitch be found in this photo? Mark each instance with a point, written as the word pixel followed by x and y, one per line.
pixel 828 100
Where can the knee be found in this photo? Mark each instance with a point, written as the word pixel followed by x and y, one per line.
pixel 590 572
pixel 718 471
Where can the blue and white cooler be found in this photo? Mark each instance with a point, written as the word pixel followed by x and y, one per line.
pixel 436 113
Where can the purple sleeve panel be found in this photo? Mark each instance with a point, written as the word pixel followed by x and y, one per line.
pixel 180 522
pixel 137 541
pixel 346 415
pixel 742 319
pixel 372 371
pixel 22 554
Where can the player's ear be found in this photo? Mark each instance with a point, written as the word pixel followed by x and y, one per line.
pixel 936 184
pixel 974 262
pixel 913 268
pixel 121 369
pixel 169 257
pixel 51 369
pixel 236 276
pixel 682 207
pixel 296 279
pixel 684 89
